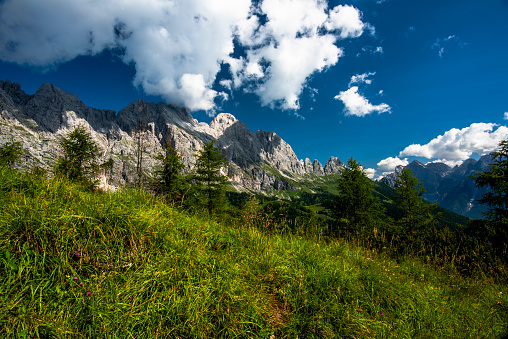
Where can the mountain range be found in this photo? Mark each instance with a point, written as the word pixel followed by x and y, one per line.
pixel 260 161
pixel 257 161
pixel 452 187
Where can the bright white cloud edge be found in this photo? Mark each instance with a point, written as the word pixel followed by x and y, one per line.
pixel 357 105
pixel 178 46
pixel 452 147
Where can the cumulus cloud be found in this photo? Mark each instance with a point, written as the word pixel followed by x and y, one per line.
pixel 388 165
pixel 505 116
pixel 178 46
pixel 298 40
pixel 459 144
pixel 358 105
pixel 355 103
pixel 370 172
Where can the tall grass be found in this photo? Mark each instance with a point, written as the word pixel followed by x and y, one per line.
pixel 76 264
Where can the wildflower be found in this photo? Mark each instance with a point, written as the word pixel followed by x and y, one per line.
pixel 88 293
pixel 75 278
pixel 81 283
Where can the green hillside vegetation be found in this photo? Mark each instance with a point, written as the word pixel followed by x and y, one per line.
pixel 87 264
pixel 346 259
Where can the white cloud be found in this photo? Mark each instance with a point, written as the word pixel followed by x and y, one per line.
pixel 292 61
pixel 356 104
pixel 459 144
pixel 370 172
pixel 176 46
pixel 505 116
pixel 361 78
pixel 347 20
pixel 298 39
pixel 388 165
pixel 226 83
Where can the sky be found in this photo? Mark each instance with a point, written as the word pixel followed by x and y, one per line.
pixel 383 81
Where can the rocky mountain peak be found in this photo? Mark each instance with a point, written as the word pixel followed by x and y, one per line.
pixel 222 122
pixel 452 188
pixel 258 161
pixel 333 165
pixel 14 91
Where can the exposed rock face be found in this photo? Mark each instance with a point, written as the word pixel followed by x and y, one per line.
pixel 333 165
pixel 452 188
pixel 258 161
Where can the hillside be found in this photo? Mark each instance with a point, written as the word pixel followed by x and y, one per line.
pixel 90 264
pixel 452 187
pixel 257 161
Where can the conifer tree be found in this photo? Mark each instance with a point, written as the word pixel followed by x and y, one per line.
pixel 416 213
pixel 167 176
pixel 209 182
pixel 10 152
pixel 80 157
pixel 356 202
pixel 496 178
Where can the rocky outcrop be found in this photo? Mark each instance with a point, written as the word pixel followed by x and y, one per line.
pixel 453 188
pixel 333 165
pixel 257 161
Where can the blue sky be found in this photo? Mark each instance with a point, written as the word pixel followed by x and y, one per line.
pixel 383 81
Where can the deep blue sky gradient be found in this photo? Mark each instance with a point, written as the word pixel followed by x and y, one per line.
pixel 428 94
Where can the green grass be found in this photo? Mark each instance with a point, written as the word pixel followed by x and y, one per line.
pixel 149 270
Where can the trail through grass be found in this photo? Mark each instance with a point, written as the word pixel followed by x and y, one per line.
pixel 94 265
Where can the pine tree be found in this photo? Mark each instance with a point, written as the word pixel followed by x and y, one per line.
pixel 167 176
pixel 10 152
pixel 496 178
pixel 356 202
pixel 210 183
pixel 417 213
pixel 80 157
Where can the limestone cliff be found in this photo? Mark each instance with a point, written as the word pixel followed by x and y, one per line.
pixel 256 161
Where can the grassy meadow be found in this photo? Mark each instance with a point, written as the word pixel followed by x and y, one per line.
pixel 77 264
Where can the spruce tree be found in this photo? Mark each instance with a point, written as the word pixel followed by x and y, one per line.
pixel 80 157
pixel 416 213
pixel 167 176
pixel 356 203
pixel 209 182
pixel 496 178
pixel 10 152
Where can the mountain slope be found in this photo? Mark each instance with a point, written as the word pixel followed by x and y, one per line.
pixel 452 188
pixel 259 161
pixel 82 264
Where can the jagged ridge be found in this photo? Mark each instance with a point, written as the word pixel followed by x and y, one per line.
pixel 257 161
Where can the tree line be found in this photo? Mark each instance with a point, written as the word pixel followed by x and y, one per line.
pixel 356 213
pixel 204 188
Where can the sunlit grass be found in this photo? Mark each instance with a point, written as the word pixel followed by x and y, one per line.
pixel 95 265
